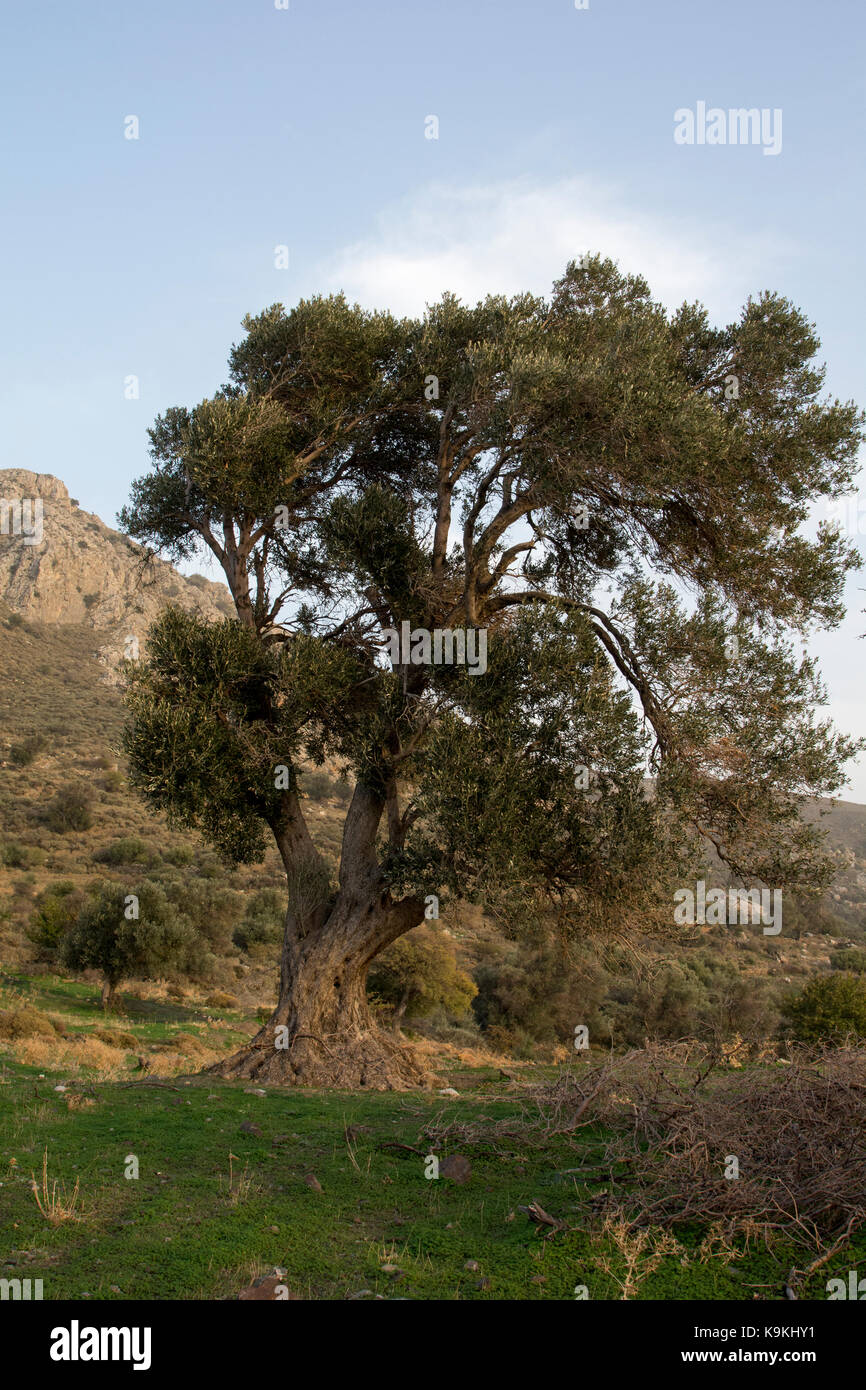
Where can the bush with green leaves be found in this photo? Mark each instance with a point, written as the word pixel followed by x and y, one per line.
pixel 14 855
pixel 178 855
pixel 829 1009
pixel 156 941
pixel 213 910
pixel 703 996
pixel 69 809
pixel 263 921
pixel 23 753
pixel 540 997
pixel 850 959
pixel 128 850
pixel 54 914
pixel 419 973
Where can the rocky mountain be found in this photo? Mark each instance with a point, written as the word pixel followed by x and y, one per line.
pixel 59 564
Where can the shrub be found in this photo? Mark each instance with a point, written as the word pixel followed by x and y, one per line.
pixel 69 809
pixel 22 754
pixel 419 973
pixel 702 997
pixel 214 911
pixel 129 850
pixel 53 915
pixel 179 856
pixel 14 855
pixel 828 1009
pixel 26 1022
pixel 541 996
pixel 851 960
pixel 220 1000
pixel 315 785
pixel 264 920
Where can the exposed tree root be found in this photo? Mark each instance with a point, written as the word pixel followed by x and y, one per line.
pixel 371 1060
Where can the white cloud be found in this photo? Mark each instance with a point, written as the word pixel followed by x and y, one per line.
pixel 519 235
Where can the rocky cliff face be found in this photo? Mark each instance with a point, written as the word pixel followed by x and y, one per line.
pixel 59 564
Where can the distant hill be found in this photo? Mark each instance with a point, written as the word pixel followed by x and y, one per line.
pixel 81 573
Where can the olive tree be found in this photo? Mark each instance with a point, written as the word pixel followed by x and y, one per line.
pixel 601 505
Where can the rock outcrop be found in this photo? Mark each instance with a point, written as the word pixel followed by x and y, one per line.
pixel 59 564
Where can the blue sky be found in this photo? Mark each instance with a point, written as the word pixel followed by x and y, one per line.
pixel 305 127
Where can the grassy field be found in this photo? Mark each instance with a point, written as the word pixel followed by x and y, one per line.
pixel 329 1188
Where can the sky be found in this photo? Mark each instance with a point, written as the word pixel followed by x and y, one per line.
pixel 308 127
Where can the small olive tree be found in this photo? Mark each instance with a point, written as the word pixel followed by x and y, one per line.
pixel 123 934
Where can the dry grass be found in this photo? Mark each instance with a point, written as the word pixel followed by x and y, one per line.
pixel 675 1116
pixel 437 1054
pixel 641 1251
pixel 240 1184
pixel 27 1022
pixel 52 1199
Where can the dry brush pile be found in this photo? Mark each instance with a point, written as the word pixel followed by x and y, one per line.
pixel 680 1120
pixel 673 1117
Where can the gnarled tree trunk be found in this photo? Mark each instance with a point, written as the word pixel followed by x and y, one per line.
pixel 322 1032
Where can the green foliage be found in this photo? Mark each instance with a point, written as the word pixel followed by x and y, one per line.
pixel 213 909
pixel 69 809
pixel 24 753
pixel 540 996
pixel 318 786
pixel 702 995
pixel 178 855
pixel 128 850
pixel 263 920
pixel 850 959
pixel 829 1008
pixel 55 912
pixel 14 855
pixel 103 938
pixel 419 973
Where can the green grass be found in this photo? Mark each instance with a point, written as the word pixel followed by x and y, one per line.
pixel 177 1232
